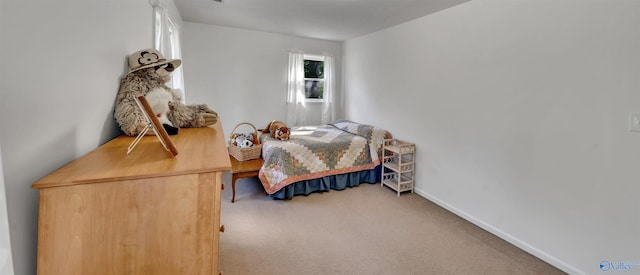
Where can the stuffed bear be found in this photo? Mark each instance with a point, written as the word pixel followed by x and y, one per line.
pixel 278 130
pixel 148 74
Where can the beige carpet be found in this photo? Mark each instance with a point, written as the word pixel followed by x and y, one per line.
pixel 361 230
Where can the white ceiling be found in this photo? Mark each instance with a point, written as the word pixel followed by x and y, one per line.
pixel 337 20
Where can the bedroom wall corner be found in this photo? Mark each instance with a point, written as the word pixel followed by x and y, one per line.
pixel 520 124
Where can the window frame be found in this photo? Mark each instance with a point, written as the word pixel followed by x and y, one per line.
pixel 175 52
pixel 314 57
pixel 167 41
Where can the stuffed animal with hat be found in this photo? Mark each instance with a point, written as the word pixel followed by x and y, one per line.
pixel 148 74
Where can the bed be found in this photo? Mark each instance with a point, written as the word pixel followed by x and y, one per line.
pixel 319 158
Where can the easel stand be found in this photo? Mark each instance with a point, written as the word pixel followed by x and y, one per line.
pixel 154 124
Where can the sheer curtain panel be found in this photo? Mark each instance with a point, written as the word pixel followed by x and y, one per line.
pixel 167 41
pixel 296 109
pixel 328 108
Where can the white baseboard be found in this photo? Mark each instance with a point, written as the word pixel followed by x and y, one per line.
pixel 505 236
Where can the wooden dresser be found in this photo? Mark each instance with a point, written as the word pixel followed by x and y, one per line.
pixel 143 213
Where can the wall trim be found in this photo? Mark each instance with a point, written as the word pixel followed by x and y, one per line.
pixel 503 235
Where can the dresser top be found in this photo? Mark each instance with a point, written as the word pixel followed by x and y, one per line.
pixel 200 150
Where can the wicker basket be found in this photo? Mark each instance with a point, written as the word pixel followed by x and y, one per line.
pixel 249 153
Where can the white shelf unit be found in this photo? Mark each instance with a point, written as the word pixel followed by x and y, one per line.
pixel 398 165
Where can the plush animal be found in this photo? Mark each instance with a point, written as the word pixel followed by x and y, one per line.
pixel 246 144
pixel 148 74
pixel 159 99
pixel 278 130
pixel 243 141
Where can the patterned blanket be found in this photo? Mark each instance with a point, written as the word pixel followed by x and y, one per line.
pixel 317 151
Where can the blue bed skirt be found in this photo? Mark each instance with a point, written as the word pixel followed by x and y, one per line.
pixel 323 184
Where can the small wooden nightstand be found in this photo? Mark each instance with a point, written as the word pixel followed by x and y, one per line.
pixel 243 169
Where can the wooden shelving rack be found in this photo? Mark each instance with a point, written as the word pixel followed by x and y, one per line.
pixel 398 165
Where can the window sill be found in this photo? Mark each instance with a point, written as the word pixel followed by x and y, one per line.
pixel 314 101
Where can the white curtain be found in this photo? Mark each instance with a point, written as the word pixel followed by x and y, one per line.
pixel 161 27
pixel 296 113
pixel 328 109
pixel 167 41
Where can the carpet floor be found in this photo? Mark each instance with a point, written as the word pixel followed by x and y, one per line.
pixel 360 230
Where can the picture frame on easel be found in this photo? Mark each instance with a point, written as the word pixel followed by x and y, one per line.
pixel 155 125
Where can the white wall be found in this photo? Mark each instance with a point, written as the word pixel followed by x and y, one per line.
pixel 242 74
pixel 519 110
pixel 62 63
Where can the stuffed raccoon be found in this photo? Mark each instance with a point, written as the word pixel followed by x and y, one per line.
pixel 148 74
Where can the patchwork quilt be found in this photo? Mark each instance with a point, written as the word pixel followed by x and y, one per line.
pixel 316 151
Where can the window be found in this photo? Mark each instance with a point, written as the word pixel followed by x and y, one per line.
pixel 314 78
pixel 174 52
pixel 310 79
pixel 167 41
